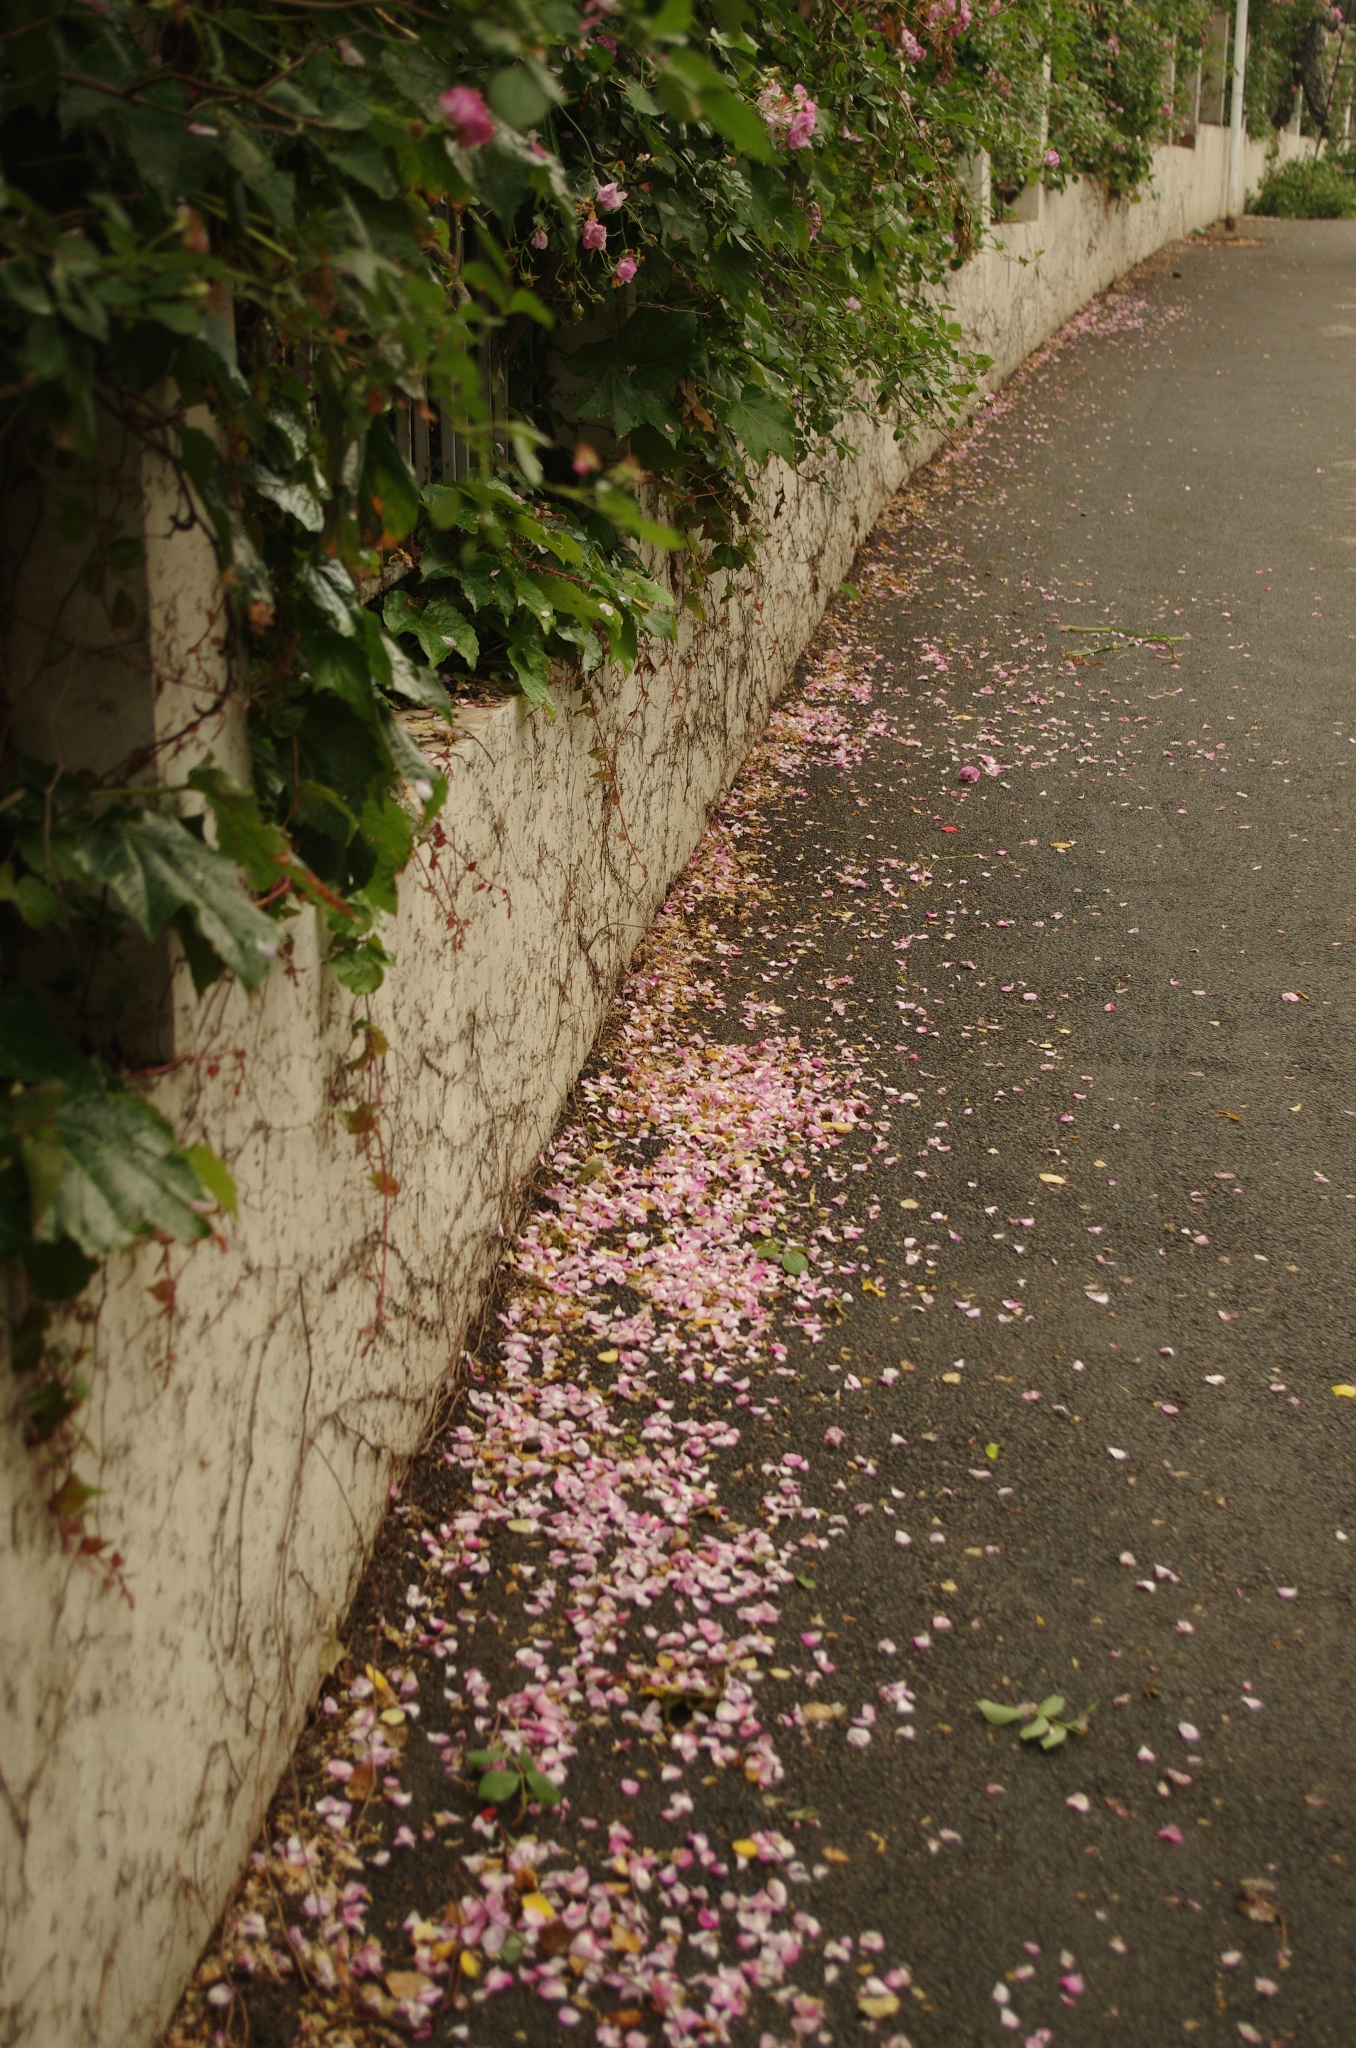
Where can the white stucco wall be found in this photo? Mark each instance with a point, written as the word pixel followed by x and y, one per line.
pixel 246 1444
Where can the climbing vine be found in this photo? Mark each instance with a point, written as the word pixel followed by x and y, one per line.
pixel 458 333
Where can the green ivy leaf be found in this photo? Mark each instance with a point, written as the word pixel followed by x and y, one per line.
pixel 291 494
pixel 118 1173
pixel 155 866
pixel 36 904
pixel 361 967
pixel 243 835
pixel 417 685
pixel 642 101
pixel 764 423
pixel 214 1175
pixel 443 629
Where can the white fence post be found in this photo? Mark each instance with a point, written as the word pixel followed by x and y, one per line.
pixel 1237 131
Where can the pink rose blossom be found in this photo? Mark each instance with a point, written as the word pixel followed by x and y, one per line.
pixel 1052 159
pixel 539 238
pixel 595 234
pixel 801 131
pixel 611 196
pixel 625 270
pixel 467 115
pixel 791 117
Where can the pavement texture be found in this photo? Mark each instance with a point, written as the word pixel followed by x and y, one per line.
pixel 939 1290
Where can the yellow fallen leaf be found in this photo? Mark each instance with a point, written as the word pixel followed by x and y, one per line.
pixel 332 1655
pixel 745 1848
pixel 608 1357
pixel 877 2005
pixel 1061 845
pixel 404 1984
pixel 1053 1180
pixel 379 1681
pixel 836 1856
pixel 538 1905
pixel 1346 1393
pixel 469 1964
pixel 393 1717
pixel 521 1527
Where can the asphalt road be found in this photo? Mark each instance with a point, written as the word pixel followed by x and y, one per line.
pixel 1091 1076
pixel 1177 860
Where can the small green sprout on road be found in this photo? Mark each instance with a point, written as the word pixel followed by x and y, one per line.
pixel 509 1775
pixel 792 1258
pixel 1047 1723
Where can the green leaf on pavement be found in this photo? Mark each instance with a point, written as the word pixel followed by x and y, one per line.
pixel 497 1786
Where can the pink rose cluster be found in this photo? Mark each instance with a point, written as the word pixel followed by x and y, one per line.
pixel 791 117
pixel 910 49
pixel 467 115
pixel 609 197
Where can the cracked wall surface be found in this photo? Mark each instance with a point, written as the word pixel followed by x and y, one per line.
pixel 247 1440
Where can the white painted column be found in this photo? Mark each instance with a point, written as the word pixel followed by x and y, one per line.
pixel 1237 131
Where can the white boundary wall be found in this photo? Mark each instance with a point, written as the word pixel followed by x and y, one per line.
pixel 247 1449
